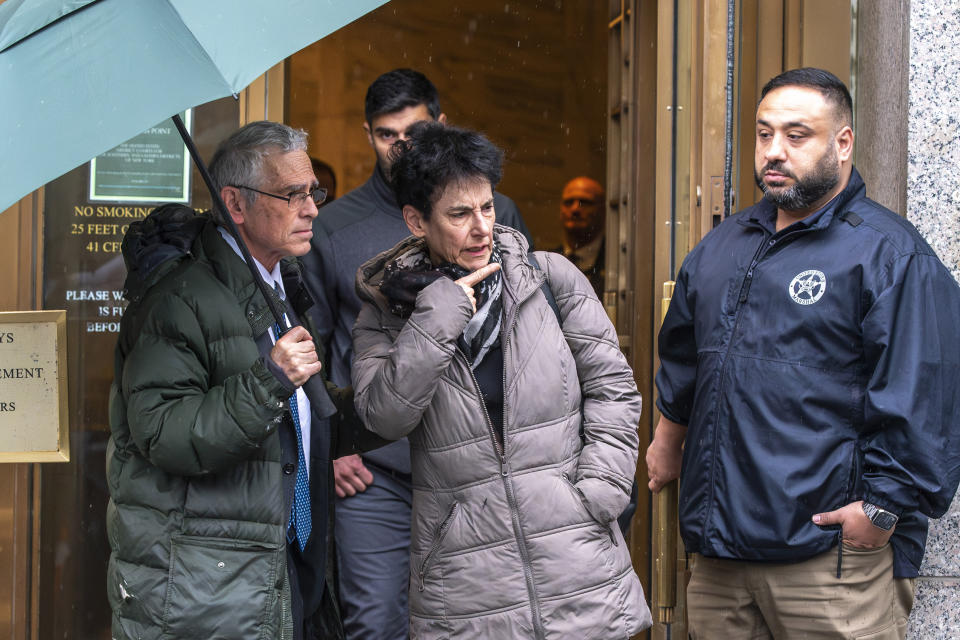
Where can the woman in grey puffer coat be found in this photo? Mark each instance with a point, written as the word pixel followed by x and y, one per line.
pixel 515 489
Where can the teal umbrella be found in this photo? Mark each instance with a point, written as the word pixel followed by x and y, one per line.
pixel 78 77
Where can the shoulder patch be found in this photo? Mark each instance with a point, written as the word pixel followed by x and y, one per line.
pixel 852 219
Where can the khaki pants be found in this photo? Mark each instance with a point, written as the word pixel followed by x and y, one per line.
pixel 734 599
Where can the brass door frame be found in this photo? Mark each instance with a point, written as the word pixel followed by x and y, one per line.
pixel 265 97
pixel 629 223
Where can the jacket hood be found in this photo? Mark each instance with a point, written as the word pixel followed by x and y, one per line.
pixel 156 244
pixel 519 275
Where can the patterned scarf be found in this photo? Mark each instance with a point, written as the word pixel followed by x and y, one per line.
pixel 407 274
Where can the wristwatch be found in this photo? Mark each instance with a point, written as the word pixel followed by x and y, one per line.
pixel 880 517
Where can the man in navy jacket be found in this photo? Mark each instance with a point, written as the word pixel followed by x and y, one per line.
pixel 808 391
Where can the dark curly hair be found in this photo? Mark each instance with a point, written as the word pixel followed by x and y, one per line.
pixel 434 156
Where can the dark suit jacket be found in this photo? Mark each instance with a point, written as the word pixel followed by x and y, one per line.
pixel 335 431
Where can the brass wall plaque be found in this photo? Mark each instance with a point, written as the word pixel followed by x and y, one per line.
pixel 33 387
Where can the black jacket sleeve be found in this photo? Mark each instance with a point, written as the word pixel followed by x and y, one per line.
pixel 911 441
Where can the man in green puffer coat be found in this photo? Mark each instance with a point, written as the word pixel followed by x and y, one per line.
pixel 222 433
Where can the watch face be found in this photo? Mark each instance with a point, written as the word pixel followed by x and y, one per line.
pixel 884 519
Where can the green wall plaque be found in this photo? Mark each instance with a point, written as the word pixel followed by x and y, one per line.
pixel 153 166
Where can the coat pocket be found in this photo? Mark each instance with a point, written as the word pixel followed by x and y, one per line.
pixel 895 631
pixel 606 526
pixel 434 549
pixel 220 588
pixel 135 593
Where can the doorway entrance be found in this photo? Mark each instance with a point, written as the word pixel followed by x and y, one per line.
pixel 632 93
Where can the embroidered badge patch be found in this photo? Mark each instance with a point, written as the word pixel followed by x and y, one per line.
pixel 808 286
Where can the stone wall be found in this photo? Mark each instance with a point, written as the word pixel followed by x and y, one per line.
pixel 933 205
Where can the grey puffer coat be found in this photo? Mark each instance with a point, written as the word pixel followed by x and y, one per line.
pixel 511 541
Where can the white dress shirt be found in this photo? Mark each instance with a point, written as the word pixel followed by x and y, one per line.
pixel 273 279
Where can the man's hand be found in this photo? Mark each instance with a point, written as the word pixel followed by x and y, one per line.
pixel 350 476
pixel 296 355
pixel 468 281
pixel 665 454
pixel 858 531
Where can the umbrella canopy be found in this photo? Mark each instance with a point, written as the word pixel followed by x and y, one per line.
pixel 78 77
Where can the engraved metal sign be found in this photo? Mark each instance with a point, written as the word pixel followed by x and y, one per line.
pixel 33 387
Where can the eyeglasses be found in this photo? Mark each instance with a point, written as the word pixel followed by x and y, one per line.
pixel 295 200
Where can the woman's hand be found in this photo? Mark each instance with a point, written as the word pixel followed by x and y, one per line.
pixel 469 281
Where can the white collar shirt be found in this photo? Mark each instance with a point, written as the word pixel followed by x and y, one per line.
pixel 273 279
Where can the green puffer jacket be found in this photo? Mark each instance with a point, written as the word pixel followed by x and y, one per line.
pixel 197 514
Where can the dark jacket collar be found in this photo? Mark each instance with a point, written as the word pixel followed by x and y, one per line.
pixel 382 194
pixel 235 275
pixel 764 213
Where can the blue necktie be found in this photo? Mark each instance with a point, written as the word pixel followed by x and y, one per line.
pixel 300 520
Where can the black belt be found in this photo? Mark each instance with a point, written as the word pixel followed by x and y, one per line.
pixel 400 476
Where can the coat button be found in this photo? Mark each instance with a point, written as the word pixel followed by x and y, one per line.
pixel 288 469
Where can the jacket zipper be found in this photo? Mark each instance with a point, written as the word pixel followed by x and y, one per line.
pixel 486 416
pixel 511 498
pixel 748 278
pixel 538 629
pixel 512 503
pixel 741 298
pixel 286 616
pixel 441 534
pixel 766 244
pixel 535 610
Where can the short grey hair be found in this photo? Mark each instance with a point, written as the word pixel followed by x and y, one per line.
pixel 238 160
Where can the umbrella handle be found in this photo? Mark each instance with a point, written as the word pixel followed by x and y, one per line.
pixel 221 208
